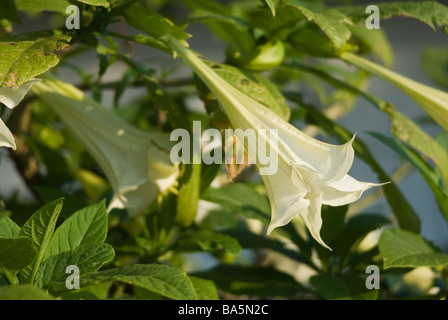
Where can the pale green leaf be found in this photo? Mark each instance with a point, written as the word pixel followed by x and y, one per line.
pixel 24 57
pixel 252 280
pixel 39 228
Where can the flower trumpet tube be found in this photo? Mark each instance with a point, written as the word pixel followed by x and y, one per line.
pixel 433 101
pixel 11 97
pixel 136 163
pixel 310 173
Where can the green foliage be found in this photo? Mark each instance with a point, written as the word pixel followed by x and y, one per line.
pixel 403 249
pixel 286 56
pixel 25 57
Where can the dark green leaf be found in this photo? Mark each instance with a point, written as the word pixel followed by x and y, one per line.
pixel 167 281
pixel 206 240
pixel 8 10
pixel 23 293
pixel 252 280
pixel 16 253
pixel 343 288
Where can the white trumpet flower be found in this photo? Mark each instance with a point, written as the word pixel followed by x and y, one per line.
pixel 311 173
pixel 11 97
pixel 136 163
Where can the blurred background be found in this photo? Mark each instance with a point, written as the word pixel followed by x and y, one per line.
pixel 408 39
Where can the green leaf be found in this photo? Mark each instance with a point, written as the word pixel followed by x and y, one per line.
pixel 432 13
pixel 8 228
pixel 205 289
pixel 206 240
pixel 271 6
pixel 167 281
pixel 428 174
pixel 16 253
pixel 241 198
pixel 333 23
pixel 220 20
pixel 153 23
pixel 252 280
pixel 88 258
pixel 25 57
pixel 23 292
pixel 8 10
pixel 249 240
pixel 43 5
pixel 404 249
pixel 98 3
pixel 435 64
pixel 39 228
pixel 408 131
pixel 86 226
pixel 345 287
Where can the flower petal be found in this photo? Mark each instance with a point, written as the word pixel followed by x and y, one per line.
pixel 344 191
pixel 286 199
pixel 6 137
pixel 11 97
pixel 312 217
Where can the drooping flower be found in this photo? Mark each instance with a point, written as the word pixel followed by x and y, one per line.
pixel 310 173
pixel 433 101
pixel 136 163
pixel 11 97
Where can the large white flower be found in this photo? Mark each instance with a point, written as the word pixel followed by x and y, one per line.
pixel 11 97
pixel 311 173
pixel 136 163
